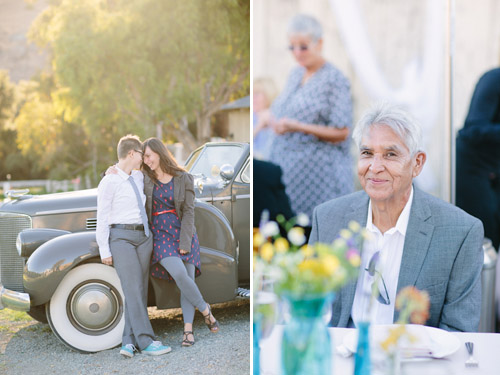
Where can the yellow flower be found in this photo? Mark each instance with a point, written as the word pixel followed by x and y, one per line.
pixel 267 251
pixel 331 264
pixel 258 239
pixel 355 260
pixel 354 226
pixel 307 264
pixel 281 245
pixel 394 335
pixel 308 250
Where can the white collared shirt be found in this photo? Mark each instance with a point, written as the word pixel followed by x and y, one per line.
pixel 390 244
pixel 117 204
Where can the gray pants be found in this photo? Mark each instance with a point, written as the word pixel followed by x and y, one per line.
pixel 183 274
pixel 131 251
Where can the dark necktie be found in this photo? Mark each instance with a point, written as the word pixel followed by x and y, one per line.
pixel 144 217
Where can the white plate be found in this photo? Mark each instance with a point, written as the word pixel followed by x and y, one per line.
pixel 440 342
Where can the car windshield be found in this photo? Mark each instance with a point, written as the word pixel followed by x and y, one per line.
pixel 211 158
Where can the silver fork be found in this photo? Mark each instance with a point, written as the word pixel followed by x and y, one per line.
pixel 471 362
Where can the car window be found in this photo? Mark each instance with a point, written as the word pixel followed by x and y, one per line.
pixel 210 160
pixel 245 174
pixel 191 161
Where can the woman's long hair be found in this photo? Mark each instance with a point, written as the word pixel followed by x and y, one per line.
pixel 168 164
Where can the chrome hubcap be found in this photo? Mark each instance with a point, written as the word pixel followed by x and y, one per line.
pixel 94 307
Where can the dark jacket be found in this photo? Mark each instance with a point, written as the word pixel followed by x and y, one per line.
pixel 184 205
pixel 269 192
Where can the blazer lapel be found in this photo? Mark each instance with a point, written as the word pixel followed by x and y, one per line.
pixel 418 237
pixel 359 214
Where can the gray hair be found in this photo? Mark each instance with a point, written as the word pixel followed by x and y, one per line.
pixel 395 117
pixel 305 25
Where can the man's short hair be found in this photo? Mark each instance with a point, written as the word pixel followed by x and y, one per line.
pixel 126 144
pixel 395 117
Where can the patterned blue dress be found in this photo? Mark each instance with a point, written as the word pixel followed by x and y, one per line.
pixel 314 171
pixel 166 229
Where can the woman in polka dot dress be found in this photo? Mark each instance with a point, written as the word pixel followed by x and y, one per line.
pixel 170 196
pixel 312 118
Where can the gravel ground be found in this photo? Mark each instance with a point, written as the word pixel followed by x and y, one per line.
pixel 32 348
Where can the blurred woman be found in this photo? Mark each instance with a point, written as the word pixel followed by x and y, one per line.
pixel 312 118
pixel 264 92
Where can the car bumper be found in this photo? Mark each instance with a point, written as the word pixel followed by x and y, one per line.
pixel 14 300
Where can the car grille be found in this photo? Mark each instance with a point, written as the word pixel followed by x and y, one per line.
pixel 11 264
pixel 91 223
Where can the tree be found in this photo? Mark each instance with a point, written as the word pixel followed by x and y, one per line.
pixel 224 50
pixel 143 65
pixel 54 147
pixel 10 158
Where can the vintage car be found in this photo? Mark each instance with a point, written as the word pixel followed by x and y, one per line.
pixel 50 264
pixel 222 178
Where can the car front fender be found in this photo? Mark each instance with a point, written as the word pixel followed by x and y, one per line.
pixel 48 264
pixel 32 239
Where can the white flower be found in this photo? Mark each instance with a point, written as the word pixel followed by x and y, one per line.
pixel 345 234
pixel 303 220
pixel 296 236
pixel 354 226
pixel 270 229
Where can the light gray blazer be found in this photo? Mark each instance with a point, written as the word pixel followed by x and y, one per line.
pixel 184 205
pixel 442 254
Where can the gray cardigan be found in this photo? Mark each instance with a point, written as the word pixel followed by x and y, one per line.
pixel 184 205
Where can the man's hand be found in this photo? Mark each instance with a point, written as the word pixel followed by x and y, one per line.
pixel 183 252
pixel 108 261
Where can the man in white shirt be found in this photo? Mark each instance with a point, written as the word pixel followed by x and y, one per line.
pixel 124 241
pixel 419 240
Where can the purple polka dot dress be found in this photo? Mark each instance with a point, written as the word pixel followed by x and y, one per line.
pixel 166 229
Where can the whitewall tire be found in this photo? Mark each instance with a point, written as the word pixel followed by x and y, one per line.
pixel 86 310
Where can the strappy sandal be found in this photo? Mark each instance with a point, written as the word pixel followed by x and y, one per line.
pixel 213 327
pixel 186 341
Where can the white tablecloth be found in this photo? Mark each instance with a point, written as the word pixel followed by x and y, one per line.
pixel 486 351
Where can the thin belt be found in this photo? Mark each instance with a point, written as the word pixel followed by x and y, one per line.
pixel 128 226
pixel 164 212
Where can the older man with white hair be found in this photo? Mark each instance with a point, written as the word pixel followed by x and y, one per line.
pixel 417 239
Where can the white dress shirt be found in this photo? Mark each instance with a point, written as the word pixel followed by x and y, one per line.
pixel 117 204
pixel 390 244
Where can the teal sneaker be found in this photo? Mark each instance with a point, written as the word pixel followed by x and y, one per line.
pixel 128 350
pixel 156 348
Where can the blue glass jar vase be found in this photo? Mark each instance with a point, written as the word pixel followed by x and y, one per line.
pixel 362 359
pixel 306 344
pixel 256 348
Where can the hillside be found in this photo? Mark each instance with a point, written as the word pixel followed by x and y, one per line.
pixel 21 58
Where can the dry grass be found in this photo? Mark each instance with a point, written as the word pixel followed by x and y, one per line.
pixel 12 321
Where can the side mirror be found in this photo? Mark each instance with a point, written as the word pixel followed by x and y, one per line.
pixel 227 172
